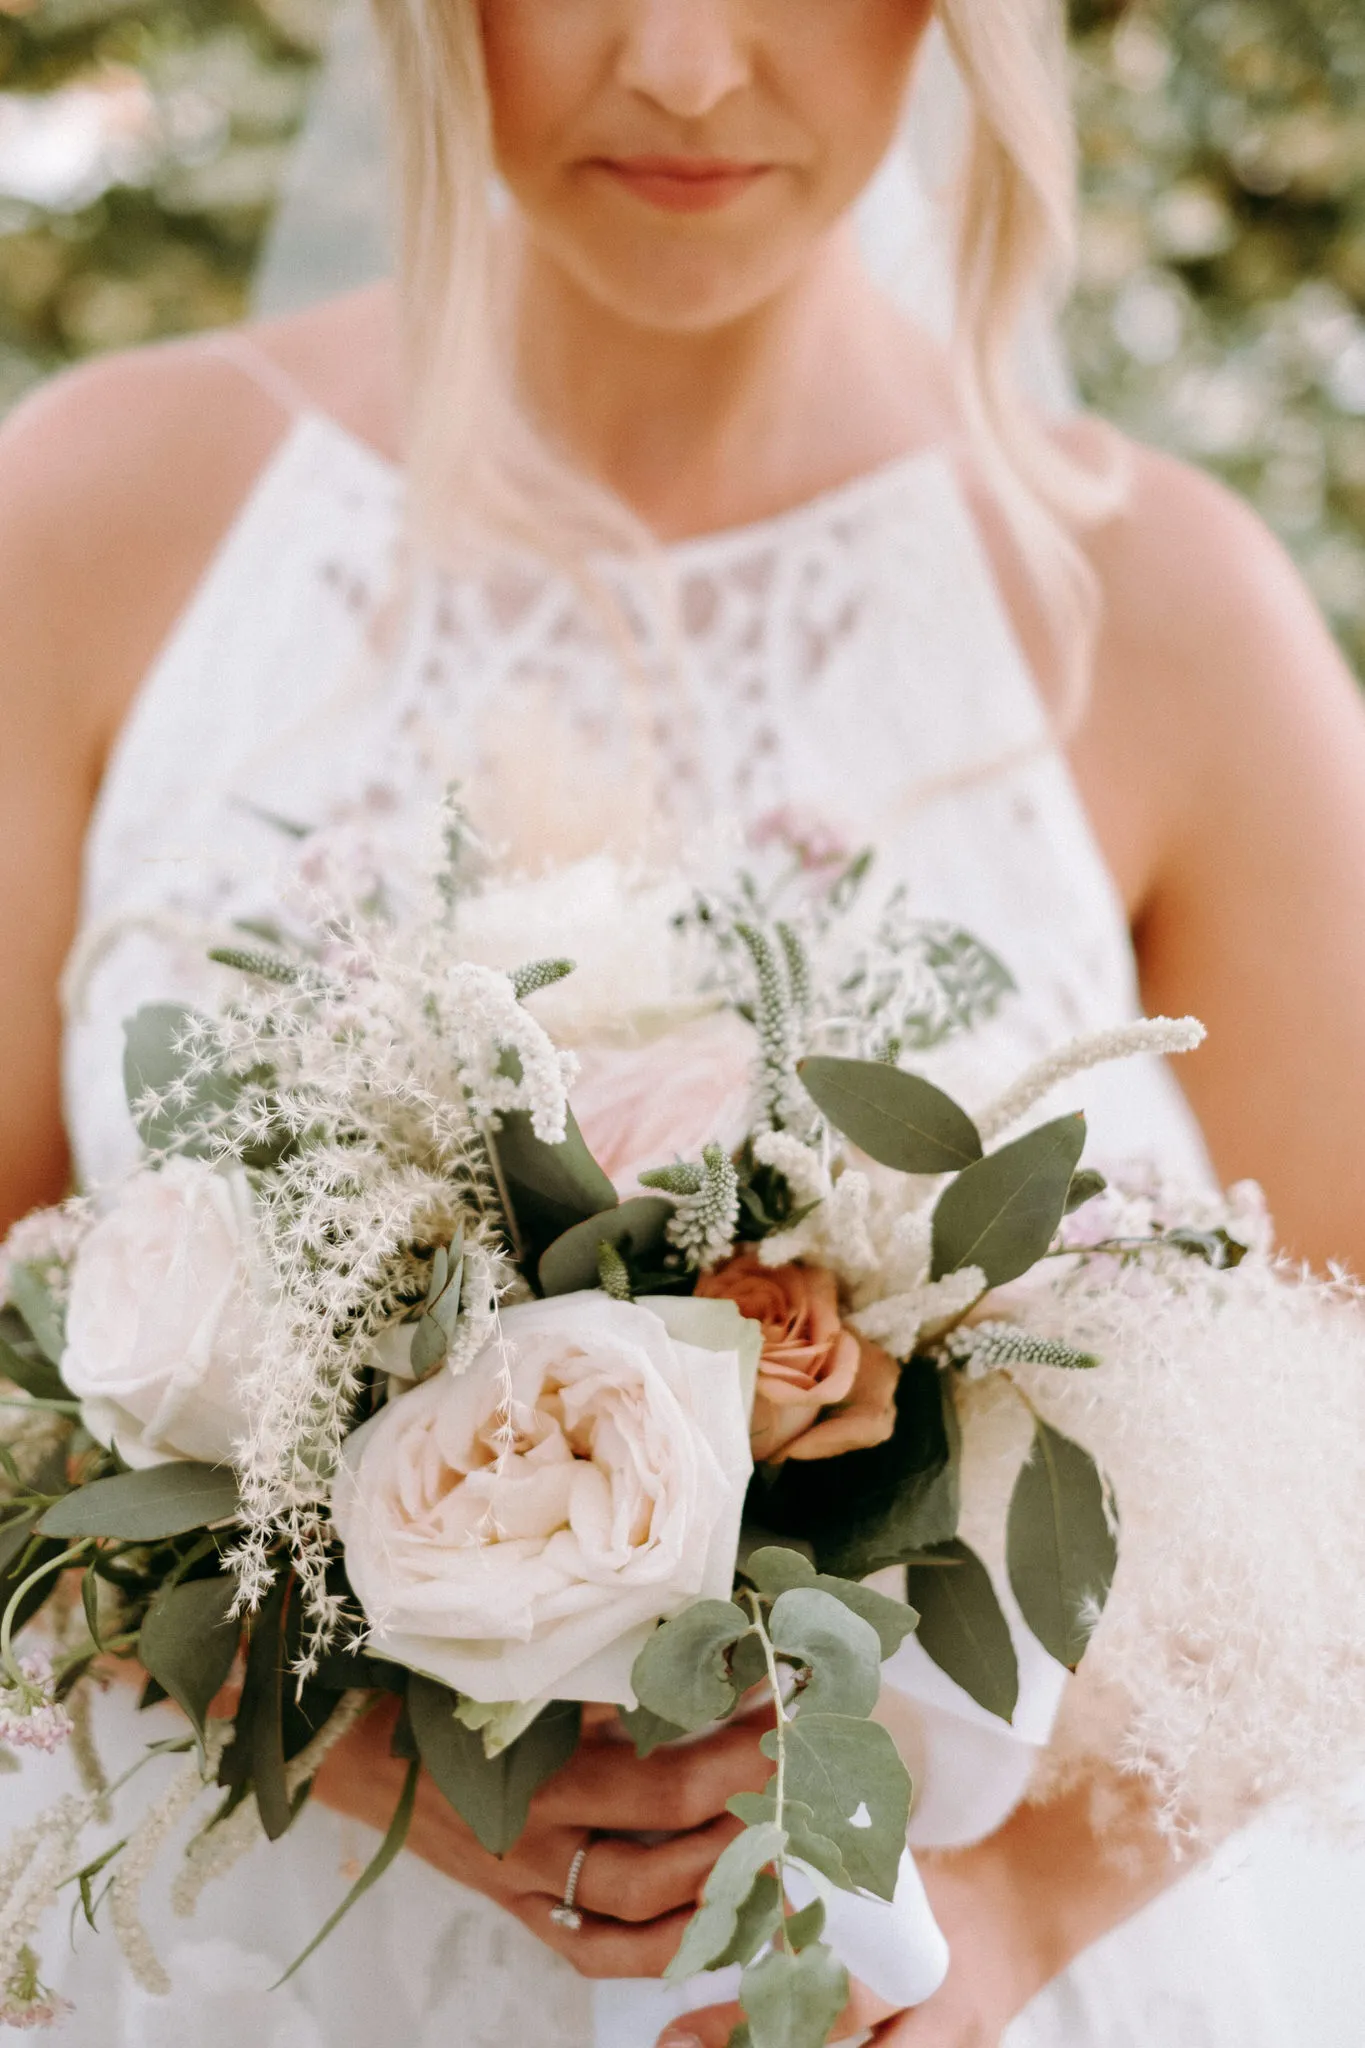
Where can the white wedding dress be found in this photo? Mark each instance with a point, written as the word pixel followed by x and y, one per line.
pixel 848 665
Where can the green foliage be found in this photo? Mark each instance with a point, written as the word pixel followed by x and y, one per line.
pixel 395 1837
pixel 793 2000
pixel 255 1757
pixel 492 1794
pixel 714 1926
pixel 188 1641
pixel 962 1627
pixel 40 1309
pixel 683 1673
pixel 850 1774
pixel 144 1507
pixel 775 1571
pixel 1062 1551
pixel 549 1188
pixel 1003 1213
pixel 179 1100
pixel 636 1231
pixel 896 1118
pixel 435 1331
pixel 842 1651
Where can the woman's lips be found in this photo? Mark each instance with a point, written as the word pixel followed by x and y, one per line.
pixel 682 184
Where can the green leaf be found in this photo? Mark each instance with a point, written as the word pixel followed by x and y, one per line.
pixel 683 1674
pixel 40 1309
pixel 154 1061
pixel 492 1794
pixel 636 1230
pixel 870 1509
pixel 793 2001
pixel 776 1570
pixel 188 1641
pixel 436 1328
pixel 841 1651
pixel 898 1119
pixel 756 1923
pixel 256 1755
pixel 1060 1544
pixel 756 1809
pixel 962 1628
pixel 1003 1213
pixel 383 1856
pixel 1085 1185
pixel 806 1927
pixel 144 1507
pixel 549 1187
pixel 648 1731
pixel 850 1775
pixel 34 1374
pixel 90 1599
pixel 713 1926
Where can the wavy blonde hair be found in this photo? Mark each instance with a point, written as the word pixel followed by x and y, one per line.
pixel 1016 238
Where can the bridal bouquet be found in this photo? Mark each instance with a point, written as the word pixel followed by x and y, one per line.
pixel 567 1290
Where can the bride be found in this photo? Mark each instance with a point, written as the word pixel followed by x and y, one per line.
pixel 640 508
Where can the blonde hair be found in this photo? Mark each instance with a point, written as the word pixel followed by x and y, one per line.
pixel 1016 236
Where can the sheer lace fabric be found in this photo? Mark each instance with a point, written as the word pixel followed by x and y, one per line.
pixel 847 669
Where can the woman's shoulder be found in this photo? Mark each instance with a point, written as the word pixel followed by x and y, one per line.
pixel 120 479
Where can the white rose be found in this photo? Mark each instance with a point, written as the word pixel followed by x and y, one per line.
pixel 618 1502
pixel 164 1299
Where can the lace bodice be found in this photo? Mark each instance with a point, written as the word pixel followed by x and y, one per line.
pixel 847 668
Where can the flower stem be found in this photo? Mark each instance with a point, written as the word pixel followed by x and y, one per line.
pixel 56 1564
pixel 780 1780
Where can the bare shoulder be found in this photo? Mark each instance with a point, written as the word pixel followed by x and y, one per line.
pixel 1205 615
pixel 119 479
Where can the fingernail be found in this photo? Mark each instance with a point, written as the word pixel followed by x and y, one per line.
pixel 679 2038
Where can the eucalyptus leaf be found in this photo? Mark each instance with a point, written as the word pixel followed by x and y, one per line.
pixel 713 1926
pixel 155 1063
pixel 898 1119
pixel 803 1843
pixel 34 1374
pixel 841 1651
pixel 756 1922
pixel 850 1775
pixel 549 1187
pixel 648 1731
pixel 492 1794
pixel 40 1309
pixel 1060 1545
pixel 1085 1185
pixel 807 1926
pixel 188 1641
pixel 793 2001
pixel 145 1507
pixel 683 1674
pixel 1003 1213
pixel 962 1628
pixel 636 1230
pixel 776 1570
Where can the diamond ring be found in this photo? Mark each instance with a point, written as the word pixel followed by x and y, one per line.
pixel 566 1914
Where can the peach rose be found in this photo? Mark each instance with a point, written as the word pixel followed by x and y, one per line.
pixel 811 1363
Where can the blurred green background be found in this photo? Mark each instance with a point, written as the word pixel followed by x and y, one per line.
pixel 1221 312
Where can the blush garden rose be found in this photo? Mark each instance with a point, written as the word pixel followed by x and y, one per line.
pixel 164 1297
pixel 516 1532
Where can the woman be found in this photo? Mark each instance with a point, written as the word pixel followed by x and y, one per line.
pixel 1071 689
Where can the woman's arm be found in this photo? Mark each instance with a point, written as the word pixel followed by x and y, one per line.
pixel 1233 727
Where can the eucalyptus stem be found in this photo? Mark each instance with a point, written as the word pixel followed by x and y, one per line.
pixel 55 1564
pixel 780 1778
pixel 40 1401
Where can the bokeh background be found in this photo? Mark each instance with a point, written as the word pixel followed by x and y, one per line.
pixel 1221 312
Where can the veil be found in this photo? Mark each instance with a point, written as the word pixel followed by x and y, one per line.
pixel 331 232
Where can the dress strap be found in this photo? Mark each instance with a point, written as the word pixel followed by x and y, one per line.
pixel 232 346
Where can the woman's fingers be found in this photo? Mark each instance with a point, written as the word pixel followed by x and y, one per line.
pixel 604 1948
pixel 627 1881
pixel 606 1786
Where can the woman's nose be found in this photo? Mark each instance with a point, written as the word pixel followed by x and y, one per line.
pixel 685 55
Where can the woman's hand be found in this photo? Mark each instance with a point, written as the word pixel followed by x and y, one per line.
pixel 1016 1909
pixel 635 1900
